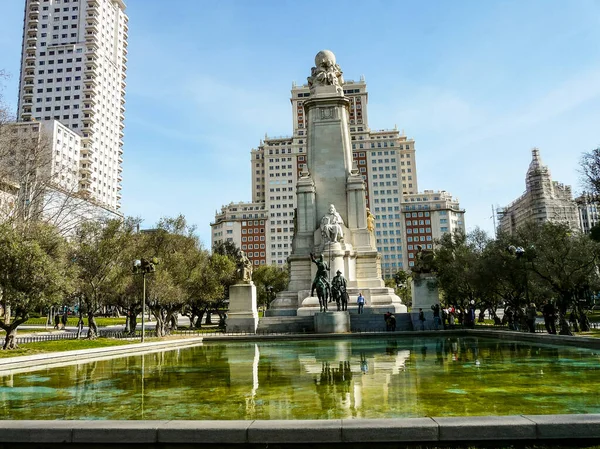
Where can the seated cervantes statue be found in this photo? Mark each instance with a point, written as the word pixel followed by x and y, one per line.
pixel 326 72
pixel 424 261
pixel 244 268
pixel 331 226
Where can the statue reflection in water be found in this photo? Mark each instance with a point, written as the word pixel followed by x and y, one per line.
pixel 332 383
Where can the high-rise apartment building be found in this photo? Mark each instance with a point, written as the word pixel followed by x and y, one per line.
pixel 385 158
pixel 73 70
pixel 588 210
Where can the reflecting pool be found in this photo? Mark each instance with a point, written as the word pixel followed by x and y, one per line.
pixel 316 379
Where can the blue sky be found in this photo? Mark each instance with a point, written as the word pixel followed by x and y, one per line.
pixel 477 84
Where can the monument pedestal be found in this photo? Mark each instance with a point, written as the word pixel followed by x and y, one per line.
pixel 332 322
pixel 243 313
pixel 424 295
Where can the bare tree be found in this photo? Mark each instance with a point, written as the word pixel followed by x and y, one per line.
pixel 37 185
pixel 590 171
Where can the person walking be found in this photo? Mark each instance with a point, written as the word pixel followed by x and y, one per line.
pixel 361 303
pixel 64 320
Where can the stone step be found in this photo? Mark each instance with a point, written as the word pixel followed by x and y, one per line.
pixel 286 324
pixel 376 322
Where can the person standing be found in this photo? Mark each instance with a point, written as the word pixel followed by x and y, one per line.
pixel 530 314
pixel 422 319
pixel 437 321
pixel 361 303
pixel 549 317
pixel 392 323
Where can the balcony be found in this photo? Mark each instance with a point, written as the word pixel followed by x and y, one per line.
pixel 91 27
pixel 123 84
pixel 30 57
pixel 92 3
pixel 86 142
pixel 91 80
pixel 88 120
pixel 34 17
pixel 88 107
pixel 120 159
pixel 91 47
pixel 92 18
pixel 88 88
pixel 87 153
pixel 121 134
pixel 89 70
pixel 86 169
pixel 28 94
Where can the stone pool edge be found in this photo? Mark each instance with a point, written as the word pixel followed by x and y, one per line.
pixel 474 429
pixel 16 365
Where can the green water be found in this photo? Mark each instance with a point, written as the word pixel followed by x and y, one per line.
pixel 355 378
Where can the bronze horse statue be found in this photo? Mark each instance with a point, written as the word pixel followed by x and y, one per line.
pixel 323 295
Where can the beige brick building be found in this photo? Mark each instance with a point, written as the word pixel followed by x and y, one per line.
pixel 543 200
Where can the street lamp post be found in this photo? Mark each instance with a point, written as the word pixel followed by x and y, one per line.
pixel 143 267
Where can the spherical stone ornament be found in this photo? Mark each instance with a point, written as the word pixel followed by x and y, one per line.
pixel 324 57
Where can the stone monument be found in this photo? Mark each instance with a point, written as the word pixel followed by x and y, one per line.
pixel 424 290
pixel 243 313
pixel 331 219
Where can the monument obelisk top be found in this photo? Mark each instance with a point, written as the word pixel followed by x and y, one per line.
pixel 326 72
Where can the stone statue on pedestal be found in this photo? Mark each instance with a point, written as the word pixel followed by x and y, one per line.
pixel 244 268
pixel 338 291
pixel 331 226
pixel 424 262
pixel 326 72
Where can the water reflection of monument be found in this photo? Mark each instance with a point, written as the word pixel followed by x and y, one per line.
pixel 340 380
pixel 331 219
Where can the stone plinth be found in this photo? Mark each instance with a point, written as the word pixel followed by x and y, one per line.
pixel 332 322
pixel 243 313
pixel 424 295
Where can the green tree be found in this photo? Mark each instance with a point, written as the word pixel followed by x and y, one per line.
pixel 401 285
pixel 565 262
pixel 173 285
pixel 269 281
pixel 99 260
pixel 32 274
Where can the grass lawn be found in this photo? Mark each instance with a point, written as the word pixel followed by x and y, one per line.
pixel 73 320
pixel 63 345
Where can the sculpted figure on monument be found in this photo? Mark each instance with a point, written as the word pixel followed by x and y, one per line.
pixel 424 262
pixel 338 291
pixel 370 221
pixel 326 72
pixel 244 268
pixel 331 226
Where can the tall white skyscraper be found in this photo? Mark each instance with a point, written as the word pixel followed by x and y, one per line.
pixel 73 70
